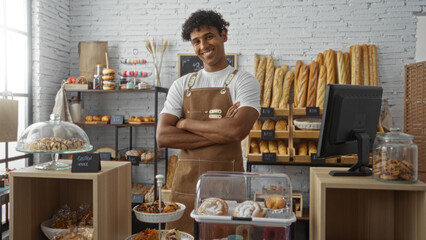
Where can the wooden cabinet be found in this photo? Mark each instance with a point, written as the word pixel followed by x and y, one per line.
pixel 36 194
pixel 363 208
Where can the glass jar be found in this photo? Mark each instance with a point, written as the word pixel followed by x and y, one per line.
pixel 395 157
pixel 75 109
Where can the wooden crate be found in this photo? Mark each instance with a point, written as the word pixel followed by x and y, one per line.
pixel 35 195
pixel 76 86
pixel 298 203
pixel 299 133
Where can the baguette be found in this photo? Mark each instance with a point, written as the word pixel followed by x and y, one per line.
pixel 263 144
pixel 347 60
pixel 365 65
pixel 320 59
pixel 281 125
pixel 313 83
pixel 303 148
pixel 282 148
pixel 341 70
pixel 303 87
pixel 355 65
pixel 297 69
pixel 284 68
pixel 261 70
pixel 268 124
pixel 273 146
pixel 254 146
pixel 257 125
pixel 312 147
pixel 256 63
pixel 331 66
pixel 288 80
pixel 269 80
pixel 372 53
pixel 171 171
pixel 277 91
pixel 322 83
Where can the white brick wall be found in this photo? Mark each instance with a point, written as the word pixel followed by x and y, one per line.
pixel 287 29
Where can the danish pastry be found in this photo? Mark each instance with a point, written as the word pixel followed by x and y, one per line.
pixel 275 202
pixel 213 207
pixel 249 209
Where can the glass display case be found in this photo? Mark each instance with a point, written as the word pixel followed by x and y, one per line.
pixel 232 205
pixel 54 137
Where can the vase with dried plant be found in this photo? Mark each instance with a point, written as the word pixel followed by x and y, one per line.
pixel 154 50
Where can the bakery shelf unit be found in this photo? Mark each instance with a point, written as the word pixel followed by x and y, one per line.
pixel 35 195
pixel 152 90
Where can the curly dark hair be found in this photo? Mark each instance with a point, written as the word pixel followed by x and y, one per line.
pixel 203 18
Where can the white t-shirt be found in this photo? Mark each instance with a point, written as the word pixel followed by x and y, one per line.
pixel 244 88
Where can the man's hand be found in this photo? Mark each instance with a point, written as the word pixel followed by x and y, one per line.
pixel 179 124
pixel 232 110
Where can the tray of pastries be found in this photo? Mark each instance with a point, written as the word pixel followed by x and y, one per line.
pixel 153 234
pixel 141 119
pixel 149 212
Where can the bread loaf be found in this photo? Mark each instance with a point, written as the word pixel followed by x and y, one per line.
pixel 277 90
pixel 303 87
pixel 356 65
pixel 268 124
pixel 281 125
pixel 284 68
pixel 273 147
pixel 320 59
pixel 288 81
pixel 365 66
pixel 341 70
pixel 269 80
pixel 256 63
pixel 322 83
pixel 264 148
pixel 171 171
pixel 257 125
pixel 313 83
pixel 282 148
pixel 347 62
pixel 303 148
pixel 261 70
pixel 372 53
pixel 254 146
pixel 331 66
pixel 297 70
pixel 312 147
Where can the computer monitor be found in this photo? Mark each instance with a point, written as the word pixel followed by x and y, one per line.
pixel 349 124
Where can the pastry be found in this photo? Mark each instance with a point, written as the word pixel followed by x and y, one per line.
pixel 257 125
pixel 132 153
pixel 108 73
pixel 275 202
pixel 282 148
pixel 281 125
pixel 365 65
pixel 254 146
pixel 213 207
pixel 268 124
pixel 89 118
pixel 97 118
pixel 106 118
pixel 264 148
pixel 171 207
pixel 272 146
pixel 246 231
pixel 269 81
pixel 288 81
pixel 261 70
pixel 313 83
pixel 148 234
pixel 372 54
pixel 277 90
pixel 303 86
pixel 322 83
pixel 173 234
pixel 249 209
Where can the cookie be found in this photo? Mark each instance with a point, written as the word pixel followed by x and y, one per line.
pixel 406 167
pixel 388 177
pixel 407 176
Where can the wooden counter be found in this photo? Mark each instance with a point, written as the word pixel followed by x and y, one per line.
pixel 364 208
pixel 35 195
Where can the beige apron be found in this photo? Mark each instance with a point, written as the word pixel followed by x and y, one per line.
pixel 203 104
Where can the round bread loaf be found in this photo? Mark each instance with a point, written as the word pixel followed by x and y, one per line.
pixel 249 209
pixel 275 202
pixel 213 207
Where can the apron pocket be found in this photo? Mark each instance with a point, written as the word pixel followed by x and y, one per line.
pixel 197 114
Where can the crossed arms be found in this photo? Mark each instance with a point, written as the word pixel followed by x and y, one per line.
pixel 173 132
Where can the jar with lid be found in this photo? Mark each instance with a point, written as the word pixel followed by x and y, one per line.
pixel 395 157
pixel 75 109
pixel 97 78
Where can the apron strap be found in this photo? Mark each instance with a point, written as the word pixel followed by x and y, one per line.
pixel 228 81
pixel 191 83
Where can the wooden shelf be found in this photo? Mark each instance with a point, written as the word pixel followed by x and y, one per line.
pixel 143 124
pixel 278 134
pixel 152 89
pixel 256 158
pixel 363 208
pixel 35 195
pixel 302 111
pixel 298 133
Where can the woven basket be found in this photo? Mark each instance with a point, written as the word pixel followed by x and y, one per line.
pixel 415 110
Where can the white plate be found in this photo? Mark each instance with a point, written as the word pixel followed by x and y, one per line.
pixel 184 235
pixel 308 123
pixel 160 217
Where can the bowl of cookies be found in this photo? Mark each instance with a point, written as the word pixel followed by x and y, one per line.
pixel 150 212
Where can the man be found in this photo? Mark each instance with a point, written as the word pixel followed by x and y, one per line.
pixel 207 113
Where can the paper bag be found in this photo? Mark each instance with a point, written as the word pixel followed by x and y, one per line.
pixel 91 54
pixel 8 118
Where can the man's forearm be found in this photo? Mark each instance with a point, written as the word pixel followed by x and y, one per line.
pixel 172 137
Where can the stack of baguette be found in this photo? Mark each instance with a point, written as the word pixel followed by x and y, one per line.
pixel 356 67
pixel 269 146
pixel 275 82
pixel 306 147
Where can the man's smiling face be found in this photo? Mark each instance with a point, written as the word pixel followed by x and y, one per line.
pixel 208 45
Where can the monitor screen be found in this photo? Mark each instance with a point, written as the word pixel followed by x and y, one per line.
pixel 349 110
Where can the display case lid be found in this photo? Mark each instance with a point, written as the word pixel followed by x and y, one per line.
pixel 54 136
pixel 249 198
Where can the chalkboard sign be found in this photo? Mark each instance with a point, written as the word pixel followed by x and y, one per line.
pixel 106 156
pixel 135 160
pixel 117 119
pixel 86 162
pixel 267 112
pixel 312 111
pixel 137 198
pixel 267 134
pixel 189 63
pixel 269 157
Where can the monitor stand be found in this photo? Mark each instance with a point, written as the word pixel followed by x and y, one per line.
pixel 361 167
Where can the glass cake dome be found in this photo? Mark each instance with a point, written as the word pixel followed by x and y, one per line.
pixel 54 137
